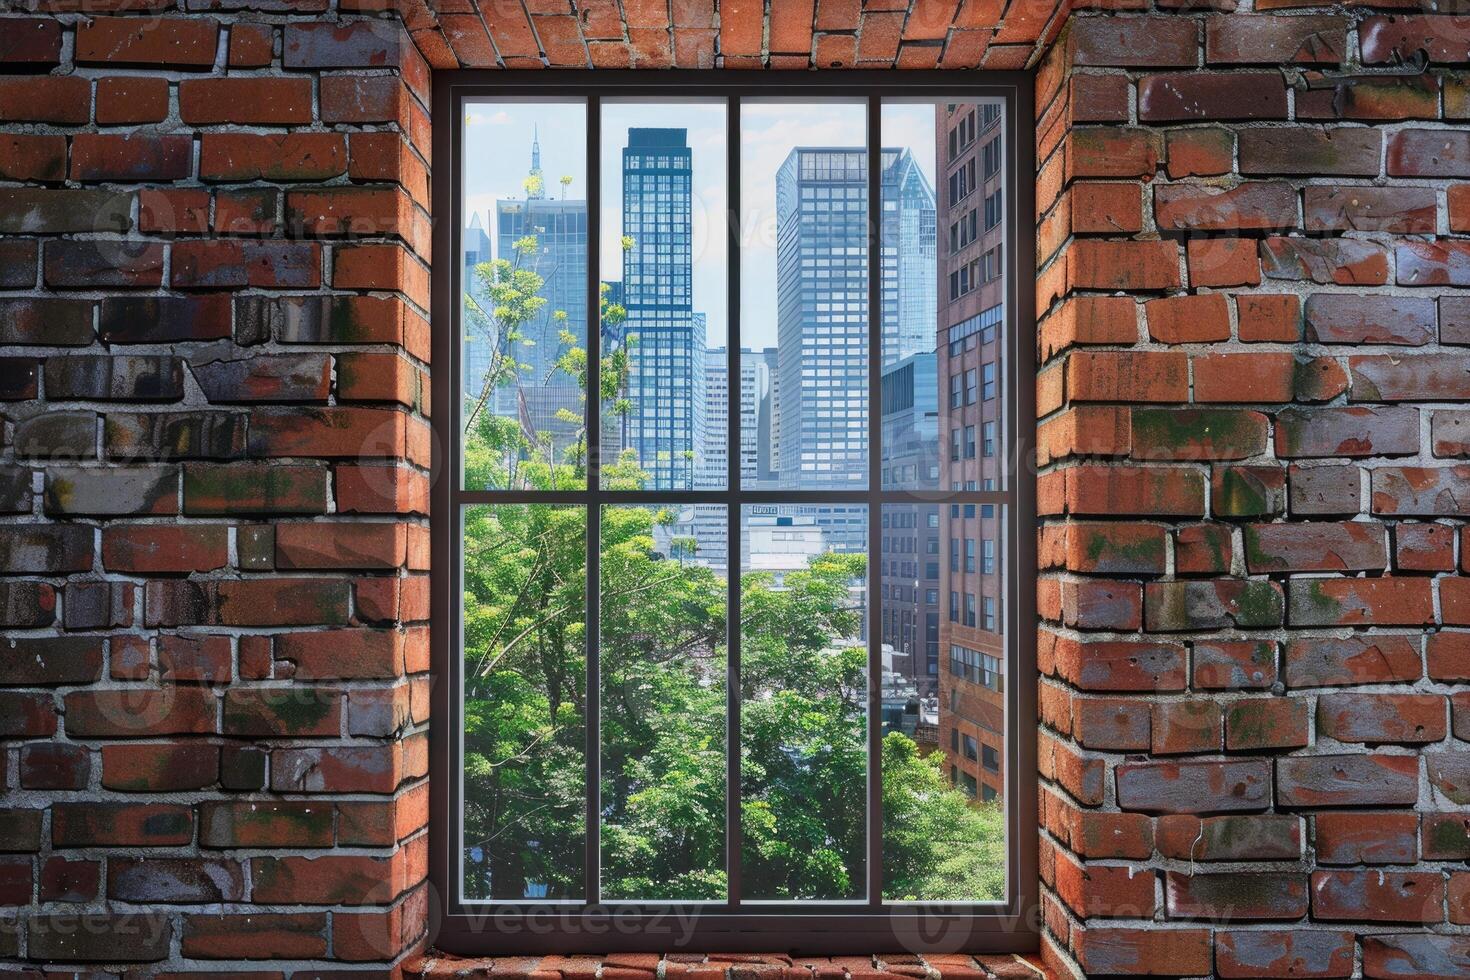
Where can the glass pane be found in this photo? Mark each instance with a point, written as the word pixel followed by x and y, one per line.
pixel 944 835
pixel 525 294
pixel 803 671
pixel 943 423
pixel 663 702
pixel 804 289
pixel 664 373
pixel 525 701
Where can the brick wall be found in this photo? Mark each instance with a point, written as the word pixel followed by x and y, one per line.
pixel 213 278
pixel 213 484
pixel 1254 646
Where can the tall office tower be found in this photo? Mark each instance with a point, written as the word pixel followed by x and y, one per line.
pixel 542 393
pixel 665 428
pixel 822 303
pixel 911 543
pixel 973 452
pixel 822 316
pixel 908 236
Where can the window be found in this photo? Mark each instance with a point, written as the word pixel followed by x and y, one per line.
pixel 619 560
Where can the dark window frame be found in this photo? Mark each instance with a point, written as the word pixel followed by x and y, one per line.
pixel 870 925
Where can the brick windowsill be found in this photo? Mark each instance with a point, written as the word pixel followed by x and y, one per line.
pixel 727 966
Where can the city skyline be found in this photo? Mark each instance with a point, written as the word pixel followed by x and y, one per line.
pixel 495 132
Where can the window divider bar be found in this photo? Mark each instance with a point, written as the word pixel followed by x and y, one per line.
pixel 733 510
pixel 874 608
pixel 634 497
pixel 592 444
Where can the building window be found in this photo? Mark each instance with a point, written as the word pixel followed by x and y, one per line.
pixel 661 526
pixel 990 759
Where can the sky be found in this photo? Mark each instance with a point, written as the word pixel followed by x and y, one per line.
pixel 497 148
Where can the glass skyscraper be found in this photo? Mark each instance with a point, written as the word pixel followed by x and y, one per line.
pixel 822 302
pixel 666 423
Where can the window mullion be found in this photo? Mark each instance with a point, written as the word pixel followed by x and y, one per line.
pixel 734 840
pixel 593 410
pixel 874 607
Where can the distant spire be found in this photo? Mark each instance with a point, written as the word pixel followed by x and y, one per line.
pixel 539 183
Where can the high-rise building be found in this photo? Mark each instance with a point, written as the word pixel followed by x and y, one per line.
pixel 973 453
pixel 822 303
pixel 908 237
pixel 666 424
pixel 911 540
pixel 543 394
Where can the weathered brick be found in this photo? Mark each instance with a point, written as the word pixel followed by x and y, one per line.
pixel 252 488
pixel 1343 261
pixel 1347 780
pixel 182 42
pixel 1232 837
pixel 1318 546
pixel 1340 151
pixel 1238 38
pixel 1194 787
pixel 1336 432
pixel 1211 95
pixel 1248 206
pixel 1254 724
pixel 1313 661
pixel 1193 605
pixel 1378 896
pixel 1400 210
pixel 1275 951
pixel 1365 838
pixel 1237 896
pixel 1415 491
pixel 96 937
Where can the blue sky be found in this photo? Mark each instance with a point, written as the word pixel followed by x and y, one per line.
pixel 497 148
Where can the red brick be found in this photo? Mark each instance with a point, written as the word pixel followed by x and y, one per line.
pixel 1200 152
pixel 1365 838
pixel 1378 896
pixel 1211 96
pixel 32 41
pixel 131 158
pixel 62 99
pixel 32 158
pixel 251 45
pixel 128 99
pixel 1249 206
pixel 1144 951
pixel 184 42
pixel 258 100
pixel 1277 951
pixel 1188 319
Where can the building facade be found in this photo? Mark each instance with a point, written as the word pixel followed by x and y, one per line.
pixel 972 451
pixel 911 538
pixel 666 424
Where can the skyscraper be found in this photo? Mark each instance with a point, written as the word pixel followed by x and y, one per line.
pixel 911 558
pixel 666 424
pixel 973 453
pixel 542 394
pixel 822 302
